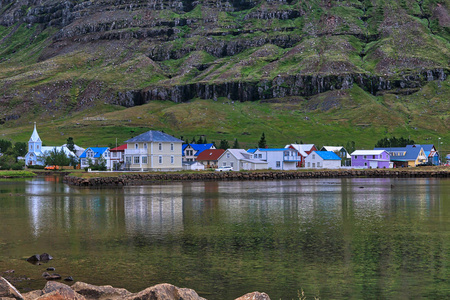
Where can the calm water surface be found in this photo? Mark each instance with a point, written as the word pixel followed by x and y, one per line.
pixel 333 238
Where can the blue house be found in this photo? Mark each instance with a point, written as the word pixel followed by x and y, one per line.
pixel 431 153
pixel 191 151
pixel 409 156
pixel 94 154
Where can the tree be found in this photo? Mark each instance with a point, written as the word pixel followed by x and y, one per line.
pixel 236 144
pixel 56 158
pixel 4 146
pixel 262 141
pixel 224 145
pixel 20 149
pixel 70 144
pixel 200 140
pixel 193 140
pixel 350 147
pixel 393 142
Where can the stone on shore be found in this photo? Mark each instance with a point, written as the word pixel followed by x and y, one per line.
pixel 166 291
pixel 254 296
pixel 53 290
pixel 7 290
pixel 90 291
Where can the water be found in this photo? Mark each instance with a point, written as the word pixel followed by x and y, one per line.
pixel 333 238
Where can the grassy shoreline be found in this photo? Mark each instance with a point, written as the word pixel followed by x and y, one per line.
pixel 16 174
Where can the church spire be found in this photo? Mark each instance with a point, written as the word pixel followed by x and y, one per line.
pixel 35 136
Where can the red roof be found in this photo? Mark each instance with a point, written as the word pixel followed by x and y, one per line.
pixel 120 148
pixel 210 154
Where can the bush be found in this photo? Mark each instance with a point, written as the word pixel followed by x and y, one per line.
pixel 36 167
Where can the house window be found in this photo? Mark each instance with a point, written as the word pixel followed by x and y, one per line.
pixel 278 164
pixel 256 155
pixel 37 146
pixel 309 164
pixel 373 156
pixel 356 156
pixel 31 147
pixel 231 164
pixel 224 164
pixel 144 159
pixel 136 146
pixel 318 164
pixel 136 159
pixel 365 164
pixel 260 156
pixel 128 159
pixel 114 154
pixel 171 147
pixel 228 155
pixel 145 145
pixel 171 159
pixel 365 157
pixel 313 156
pixel 314 165
pixel 160 146
pixel 160 159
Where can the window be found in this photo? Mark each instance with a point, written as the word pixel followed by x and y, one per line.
pixel 314 165
pixel 171 159
pixel 373 156
pixel 160 146
pixel 228 155
pixel 37 146
pixel 144 159
pixel 231 164
pixel 356 156
pixel 136 146
pixel 365 157
pixel 278 164
pixel 318 164
pixel 136 159
pixel 145 145
pixel 313 156
pixel 31 147
pixel 114 154
pixel 171 147
pixel 309 164
pixel 224 163
pixel 256 155
pixel 260 156
pixel 128 159
pixel 160 159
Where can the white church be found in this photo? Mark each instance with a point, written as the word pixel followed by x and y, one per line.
pixel 36 151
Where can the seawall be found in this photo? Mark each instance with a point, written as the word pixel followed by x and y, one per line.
pixel 146 178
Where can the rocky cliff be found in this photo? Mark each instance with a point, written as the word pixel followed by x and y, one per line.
pixel 68 55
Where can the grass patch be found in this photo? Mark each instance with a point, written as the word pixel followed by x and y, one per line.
pixel 14 174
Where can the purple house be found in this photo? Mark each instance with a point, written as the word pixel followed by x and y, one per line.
pixel 371 159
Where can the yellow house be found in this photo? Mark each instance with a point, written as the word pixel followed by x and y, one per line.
pixel 153 151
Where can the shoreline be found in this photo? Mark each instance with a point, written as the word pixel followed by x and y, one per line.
pixel 128 179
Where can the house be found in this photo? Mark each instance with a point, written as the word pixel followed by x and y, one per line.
pixel 323 159
pixel 191 151
pixel 239 159
pixel 36 152
pixel 409 156
pixel 448 158
pixel 118 157
pixel 153 151
pixel 303 151
pixel 94 155
pixel 371 159
pixel 277 159
pixel 76 149
pixel 193 166
pixel 346 159
pixel 210 157
pixel 431 153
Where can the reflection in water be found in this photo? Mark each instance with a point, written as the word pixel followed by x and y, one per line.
pixel 334 238
pixel 153 210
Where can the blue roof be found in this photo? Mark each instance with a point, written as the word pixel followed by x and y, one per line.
pixel 411 152
pixel 253 150
pixel 154 136
pixel 328 155
pixel 199 148
pixel 98 151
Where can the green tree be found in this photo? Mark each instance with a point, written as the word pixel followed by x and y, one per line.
pixel 20 149
pixel 70 144
pixel 56 158
pixel 5 146
pixel 7 162
pixel 200 140
pixel 393 142
pixel 236 144
pixel 224 145
pixel 262 141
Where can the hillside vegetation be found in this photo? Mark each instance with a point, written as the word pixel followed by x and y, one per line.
pixel 325 72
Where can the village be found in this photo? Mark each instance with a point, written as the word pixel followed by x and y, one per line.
pixel 158 151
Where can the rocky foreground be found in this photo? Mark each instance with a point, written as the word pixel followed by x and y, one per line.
pixel 82 291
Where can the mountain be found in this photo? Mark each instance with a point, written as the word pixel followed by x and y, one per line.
pixel 347 64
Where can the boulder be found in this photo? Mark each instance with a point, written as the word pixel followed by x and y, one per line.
pixel 90 291
pixel 57 289
pixel 7 290
pixel 166 291
pixel 32 295
pixel 254 296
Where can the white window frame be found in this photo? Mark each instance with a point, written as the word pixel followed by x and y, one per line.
pixel 160 146
pixel 171 147
pixel 144 160
pixel 136 160
pixel 172 159
pixel 160 159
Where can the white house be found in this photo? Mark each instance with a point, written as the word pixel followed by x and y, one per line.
pixel 303 151
pixel 346 159
pixel 322 160
pixel 154 151
pixel 277 158
pixel 239 159
pixel 193 166
pixel 37 152
pixel 94 155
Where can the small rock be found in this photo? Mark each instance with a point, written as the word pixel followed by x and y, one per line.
pixel 54 276
pixel 68 278
pixel 50 269
pixel 46 257
pixel 45 274
pixel 254 296
pixel 34 259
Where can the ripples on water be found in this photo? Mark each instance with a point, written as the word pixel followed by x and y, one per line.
pixel 333 238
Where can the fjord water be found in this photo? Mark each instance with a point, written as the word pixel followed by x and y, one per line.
pixel 332 238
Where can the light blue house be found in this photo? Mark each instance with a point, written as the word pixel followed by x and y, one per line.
pixel 94 154
pixel 277 158
pixel 322 160
pixel 37 152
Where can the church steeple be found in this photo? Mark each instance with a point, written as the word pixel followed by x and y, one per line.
pixel 35 136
